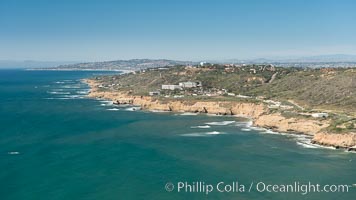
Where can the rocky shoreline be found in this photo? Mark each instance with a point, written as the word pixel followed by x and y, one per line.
pixel 259 113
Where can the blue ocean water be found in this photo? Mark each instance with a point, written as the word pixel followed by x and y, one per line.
pixel 57 144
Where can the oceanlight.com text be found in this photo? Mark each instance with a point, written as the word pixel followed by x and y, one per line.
pixel 261 187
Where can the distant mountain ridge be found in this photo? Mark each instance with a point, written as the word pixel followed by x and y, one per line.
pixel 332 58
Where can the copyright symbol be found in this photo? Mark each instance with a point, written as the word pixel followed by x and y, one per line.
pixel 169 187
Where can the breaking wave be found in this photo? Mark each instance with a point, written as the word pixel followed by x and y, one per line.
pixel 133 108
pixel 223 123
pixel 113 109
pixel 187 113
pixel 204 126
pixel 58 92
pixel 205 134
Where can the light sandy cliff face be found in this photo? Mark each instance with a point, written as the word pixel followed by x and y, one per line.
pixel 339 140
pixel 279 123
pixel 213 107
pixel 220 108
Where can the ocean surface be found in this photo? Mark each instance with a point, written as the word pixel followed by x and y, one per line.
pixel 57 144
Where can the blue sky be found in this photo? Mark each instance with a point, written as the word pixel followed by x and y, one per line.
pixel 94 30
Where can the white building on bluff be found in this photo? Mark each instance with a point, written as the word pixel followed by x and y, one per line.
pixel 190 84
pixel 171 87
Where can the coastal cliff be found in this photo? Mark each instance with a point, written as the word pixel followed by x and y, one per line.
pixel 212 107
pixel 279 123
pixel 258 112
pixel 343 140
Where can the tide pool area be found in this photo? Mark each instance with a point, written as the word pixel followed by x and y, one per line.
pixel 55 143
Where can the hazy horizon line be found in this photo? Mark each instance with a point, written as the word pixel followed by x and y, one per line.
pixel 192 60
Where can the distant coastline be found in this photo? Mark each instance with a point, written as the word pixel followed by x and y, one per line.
pixel 77 69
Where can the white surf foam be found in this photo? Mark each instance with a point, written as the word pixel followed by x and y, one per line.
pixel 158 111
pixel 323 147
pixel 194 135
pixel 133 109
pixel 106 103
pixel 202 134
pixel 267 131
pixel 71 87
pixel 113 109
pixel 241 124
pixel 214 133
pixel 82 91
pixel 223 123
pixel 257 128
pixel 13 152
pixel 300 139
pixel 305 145
pixel 74 96
pixel 55 92
pixel 60 98
pixel 306 142
pixel 205 126
pixel 246 129
pixel 187 113
pixel 249 123
pixel 211 115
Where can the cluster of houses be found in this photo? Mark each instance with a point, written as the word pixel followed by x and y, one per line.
pixel 182 85
pixel 194 88
pixel 107 86
pixel 316 115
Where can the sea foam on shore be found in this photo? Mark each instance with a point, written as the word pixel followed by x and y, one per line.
pixel 223 123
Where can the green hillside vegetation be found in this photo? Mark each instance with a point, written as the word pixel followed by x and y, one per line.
pixel 332 89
